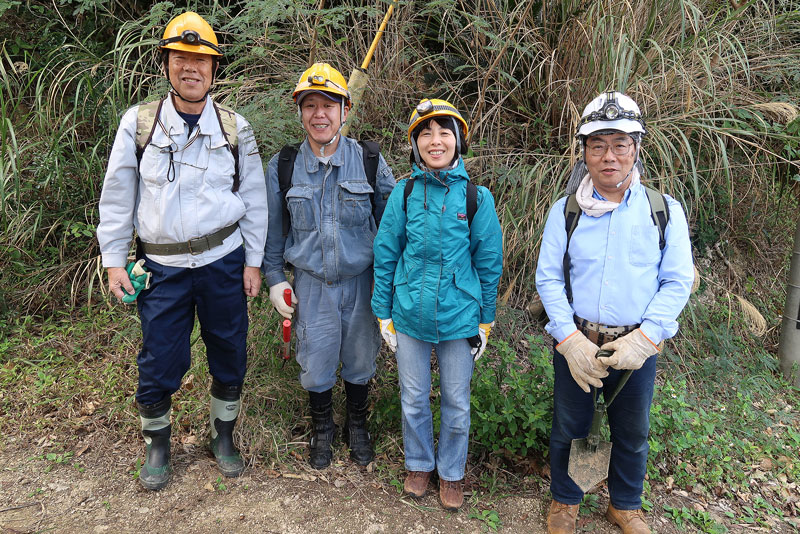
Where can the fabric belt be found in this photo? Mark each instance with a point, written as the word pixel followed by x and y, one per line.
pixel 600 333
pixel 193 246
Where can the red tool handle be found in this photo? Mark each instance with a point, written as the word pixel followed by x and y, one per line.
pixel 287 330
pixel 287 296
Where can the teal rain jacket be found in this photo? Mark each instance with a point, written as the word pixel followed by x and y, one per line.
pixel 436 276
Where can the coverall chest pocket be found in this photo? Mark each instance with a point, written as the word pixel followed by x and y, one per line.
pixel 154 165
pixel 644 248
pixel 219 171
pixel 301 209
pixel 355 205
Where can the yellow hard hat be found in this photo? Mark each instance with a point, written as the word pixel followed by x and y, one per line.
pixel 191 33
pixel 322 78
pixel 435 107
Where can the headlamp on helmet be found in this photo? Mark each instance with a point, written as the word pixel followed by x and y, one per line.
pixel 611 111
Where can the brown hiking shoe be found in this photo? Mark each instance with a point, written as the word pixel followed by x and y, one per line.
pixel 451 494
pixel 561 519
pixel 416 483
pixel 630 521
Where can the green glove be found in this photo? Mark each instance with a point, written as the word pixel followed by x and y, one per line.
pixel 140 279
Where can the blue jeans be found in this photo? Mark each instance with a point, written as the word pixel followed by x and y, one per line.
pixel 455 373
pixel 628 420
pixel 167 312
pixel 335 325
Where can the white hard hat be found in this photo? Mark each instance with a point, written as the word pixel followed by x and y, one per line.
pixel 611 111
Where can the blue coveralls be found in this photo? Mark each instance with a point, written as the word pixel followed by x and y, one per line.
pixel 330 246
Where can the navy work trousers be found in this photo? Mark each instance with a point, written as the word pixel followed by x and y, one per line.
pixel 167 311
pixel 628 420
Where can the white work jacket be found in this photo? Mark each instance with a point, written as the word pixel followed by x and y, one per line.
pixel 188 199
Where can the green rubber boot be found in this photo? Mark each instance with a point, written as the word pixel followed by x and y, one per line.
pixel 225 406
pixel 156 429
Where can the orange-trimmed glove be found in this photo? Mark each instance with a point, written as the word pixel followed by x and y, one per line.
pixel 580 354
pixel 630 350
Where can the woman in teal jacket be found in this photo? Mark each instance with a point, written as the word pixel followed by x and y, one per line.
pixel 438 260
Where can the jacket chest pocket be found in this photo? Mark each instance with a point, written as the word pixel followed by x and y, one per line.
pixel 299 202
pixel 154 166
pixel 355 205
pixel 644 245
pixel 219 171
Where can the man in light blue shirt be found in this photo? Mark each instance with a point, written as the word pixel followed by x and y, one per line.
pixel 614 284
pixel 322 222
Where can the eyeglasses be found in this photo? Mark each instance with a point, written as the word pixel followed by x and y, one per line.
pixel 600 149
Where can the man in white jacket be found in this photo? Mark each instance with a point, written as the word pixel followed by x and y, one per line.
pixel 185 174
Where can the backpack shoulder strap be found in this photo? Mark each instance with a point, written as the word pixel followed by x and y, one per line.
pixel 146 117
pixel 371 152
pixel 286 158
pixel 659 212
pixel 407 191
pixel 227 123
pixel 472 202
pixel 572 214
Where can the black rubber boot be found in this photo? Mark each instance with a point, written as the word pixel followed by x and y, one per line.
pixel 321 444
pixel 225 406
pixel 156 430
pixel 356 434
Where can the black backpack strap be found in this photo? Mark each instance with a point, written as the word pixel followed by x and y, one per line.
pixel 659 212
pixel 472 202
pixel 407 191
pixel 371 152
pixel 572 214
pixel 286 158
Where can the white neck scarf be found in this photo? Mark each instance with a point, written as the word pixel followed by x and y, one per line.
pixel 594 207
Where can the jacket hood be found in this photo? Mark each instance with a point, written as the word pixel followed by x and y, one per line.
pixel 449 176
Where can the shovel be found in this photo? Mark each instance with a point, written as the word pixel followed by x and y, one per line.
pixel 589 457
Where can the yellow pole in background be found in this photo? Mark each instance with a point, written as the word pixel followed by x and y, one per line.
pixel 358 77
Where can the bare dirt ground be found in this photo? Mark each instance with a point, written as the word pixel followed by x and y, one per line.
pixel 94 491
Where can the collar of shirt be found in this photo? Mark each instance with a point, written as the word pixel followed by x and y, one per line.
pixel 174 123
pixel 311 160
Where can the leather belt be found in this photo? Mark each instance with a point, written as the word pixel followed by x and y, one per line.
pixel 193 246
pixel 600 333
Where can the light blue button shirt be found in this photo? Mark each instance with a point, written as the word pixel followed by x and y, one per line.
pixel 618 274
pixel 190 199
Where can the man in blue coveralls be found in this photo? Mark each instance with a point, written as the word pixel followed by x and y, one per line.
pixel 185 173
pixel 617 285
pixel 333 212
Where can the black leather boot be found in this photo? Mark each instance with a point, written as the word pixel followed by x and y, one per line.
pixel 225 405
pixel 156 430
pixel 356 434
pixel 321 444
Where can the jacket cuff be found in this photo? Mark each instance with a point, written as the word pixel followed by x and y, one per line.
pixel 253 259
pixel 274 277
pixel 114 260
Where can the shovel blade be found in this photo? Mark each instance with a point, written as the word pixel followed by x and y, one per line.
pixel 588 467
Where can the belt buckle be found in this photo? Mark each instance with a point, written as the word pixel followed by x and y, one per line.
pixel 198 243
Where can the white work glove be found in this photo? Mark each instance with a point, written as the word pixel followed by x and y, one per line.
pixel 580 354
pixel 630 350
pixel 478 343
pixel 388 333
pixel 276 297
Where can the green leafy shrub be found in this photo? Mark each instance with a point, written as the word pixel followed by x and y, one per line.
pixel 512 399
